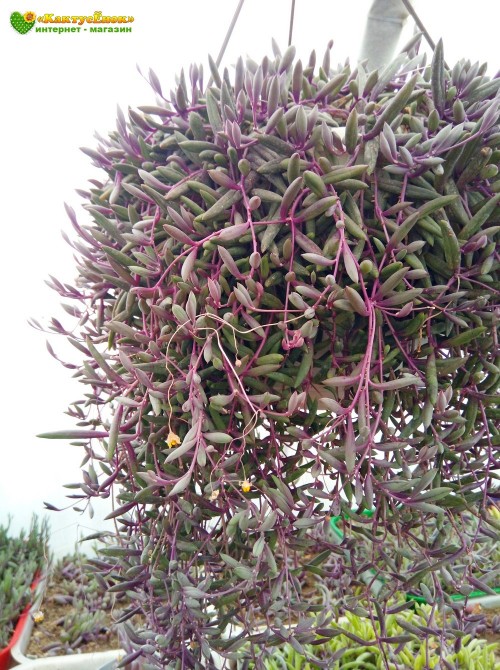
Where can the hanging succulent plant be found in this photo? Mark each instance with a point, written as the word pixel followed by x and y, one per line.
pixel 288 307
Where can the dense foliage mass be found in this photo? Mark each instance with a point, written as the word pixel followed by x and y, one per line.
pixel 288 306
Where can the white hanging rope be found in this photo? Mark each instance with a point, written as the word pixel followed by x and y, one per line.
pixel 229 32
pixel 292 15
pixel 419 23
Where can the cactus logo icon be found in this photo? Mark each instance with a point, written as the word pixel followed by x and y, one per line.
pixel 23 23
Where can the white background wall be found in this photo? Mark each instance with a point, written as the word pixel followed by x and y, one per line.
pixel 56 90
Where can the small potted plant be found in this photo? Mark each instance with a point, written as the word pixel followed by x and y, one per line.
pixel 281 323
pixel 23 561
pixel 75 623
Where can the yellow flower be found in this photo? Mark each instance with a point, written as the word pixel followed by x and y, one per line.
pixel 214 495
pixel 38 617
pixel 173 439
pixel 494 511
pixel 29 17
pixel 245 486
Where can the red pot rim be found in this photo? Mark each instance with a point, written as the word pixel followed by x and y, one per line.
pixel 5 653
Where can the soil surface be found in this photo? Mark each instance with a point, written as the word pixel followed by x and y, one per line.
pixel 488 634
pixel 46 636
